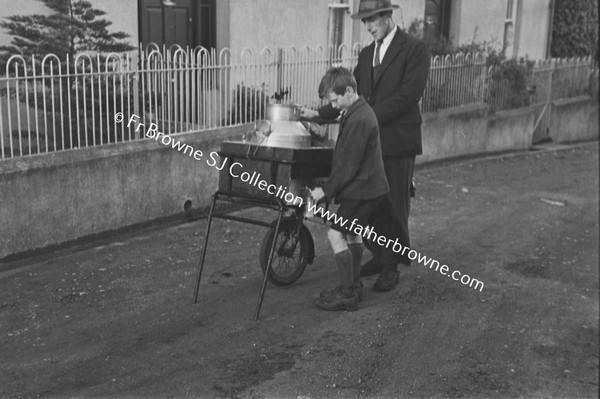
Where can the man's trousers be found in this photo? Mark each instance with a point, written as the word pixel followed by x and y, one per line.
pixel 394 221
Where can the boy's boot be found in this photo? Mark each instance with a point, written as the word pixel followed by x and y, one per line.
pixel 344 298
pixel 356 250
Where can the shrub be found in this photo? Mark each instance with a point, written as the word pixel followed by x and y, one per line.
pixel 575 29
pixel 507 86
pixel 248 105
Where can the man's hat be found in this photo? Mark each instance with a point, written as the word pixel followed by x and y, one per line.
pixel 367 8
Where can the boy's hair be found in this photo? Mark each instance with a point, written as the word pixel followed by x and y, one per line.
pixel 337 80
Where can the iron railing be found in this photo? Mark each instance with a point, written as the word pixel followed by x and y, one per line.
pixel 543 81
pixel 455 80
pixel 48 104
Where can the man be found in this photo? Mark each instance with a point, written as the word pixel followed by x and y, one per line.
pixel 391 75
pixel 357 182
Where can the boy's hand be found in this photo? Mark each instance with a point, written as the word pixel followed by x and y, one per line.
pixel 317 194
pixel 308 113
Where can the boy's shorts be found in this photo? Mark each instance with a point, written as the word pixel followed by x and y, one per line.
pixel 351 209
pixel 380 215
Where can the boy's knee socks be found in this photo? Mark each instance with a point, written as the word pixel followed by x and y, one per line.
pixel 356 250
pixel 343 261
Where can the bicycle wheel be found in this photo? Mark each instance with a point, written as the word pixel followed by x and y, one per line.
pixel 291 252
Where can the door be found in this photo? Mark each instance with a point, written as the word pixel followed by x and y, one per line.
pixel 437 18
pixel 182 22
pixel 173 88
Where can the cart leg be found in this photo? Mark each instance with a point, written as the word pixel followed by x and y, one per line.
pixel 201 265
pixel 272 253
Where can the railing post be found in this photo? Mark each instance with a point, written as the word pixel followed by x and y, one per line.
pixel 550 98
pixel 279 69
pixel 136 85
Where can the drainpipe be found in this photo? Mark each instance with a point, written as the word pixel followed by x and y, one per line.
pixel 551 6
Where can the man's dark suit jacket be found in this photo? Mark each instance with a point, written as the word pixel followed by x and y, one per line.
pixel 394 93
pixel 357 171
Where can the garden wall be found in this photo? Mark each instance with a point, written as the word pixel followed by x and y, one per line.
pixel 470 130
pixel 59 197
pixel 574 119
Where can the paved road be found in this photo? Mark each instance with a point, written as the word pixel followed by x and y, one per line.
pixel 115 319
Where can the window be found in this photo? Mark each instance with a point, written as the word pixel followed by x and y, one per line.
pixel 510 21
pixel 437 18
pixel 337 15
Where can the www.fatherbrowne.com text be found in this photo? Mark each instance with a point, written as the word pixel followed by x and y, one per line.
pixel 253 178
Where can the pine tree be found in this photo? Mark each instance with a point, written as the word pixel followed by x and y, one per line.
pixel 72 27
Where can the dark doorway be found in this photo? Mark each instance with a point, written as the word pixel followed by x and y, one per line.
pixel 437 18
pixel 182 22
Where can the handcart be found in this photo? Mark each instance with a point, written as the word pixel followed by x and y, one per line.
pixel 287 246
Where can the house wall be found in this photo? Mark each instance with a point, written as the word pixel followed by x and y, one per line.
pixel 123 14
pixel 533 38
pixel 223 29
pixel 483 21
pixel 268 23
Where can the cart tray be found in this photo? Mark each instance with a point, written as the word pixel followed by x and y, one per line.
pixel 290 168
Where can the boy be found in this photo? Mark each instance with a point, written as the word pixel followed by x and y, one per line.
pixel 357 182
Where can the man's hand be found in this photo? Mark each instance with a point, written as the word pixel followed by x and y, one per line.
pixel 317 194
pixel 314 129
pixel 308 113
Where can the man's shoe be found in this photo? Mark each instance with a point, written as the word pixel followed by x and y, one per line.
pixel 387 281
pixel 370 268
pixel 332 292
pixel 358 288
pixel 341 300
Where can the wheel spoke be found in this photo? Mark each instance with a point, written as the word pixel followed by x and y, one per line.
pixel 290 253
